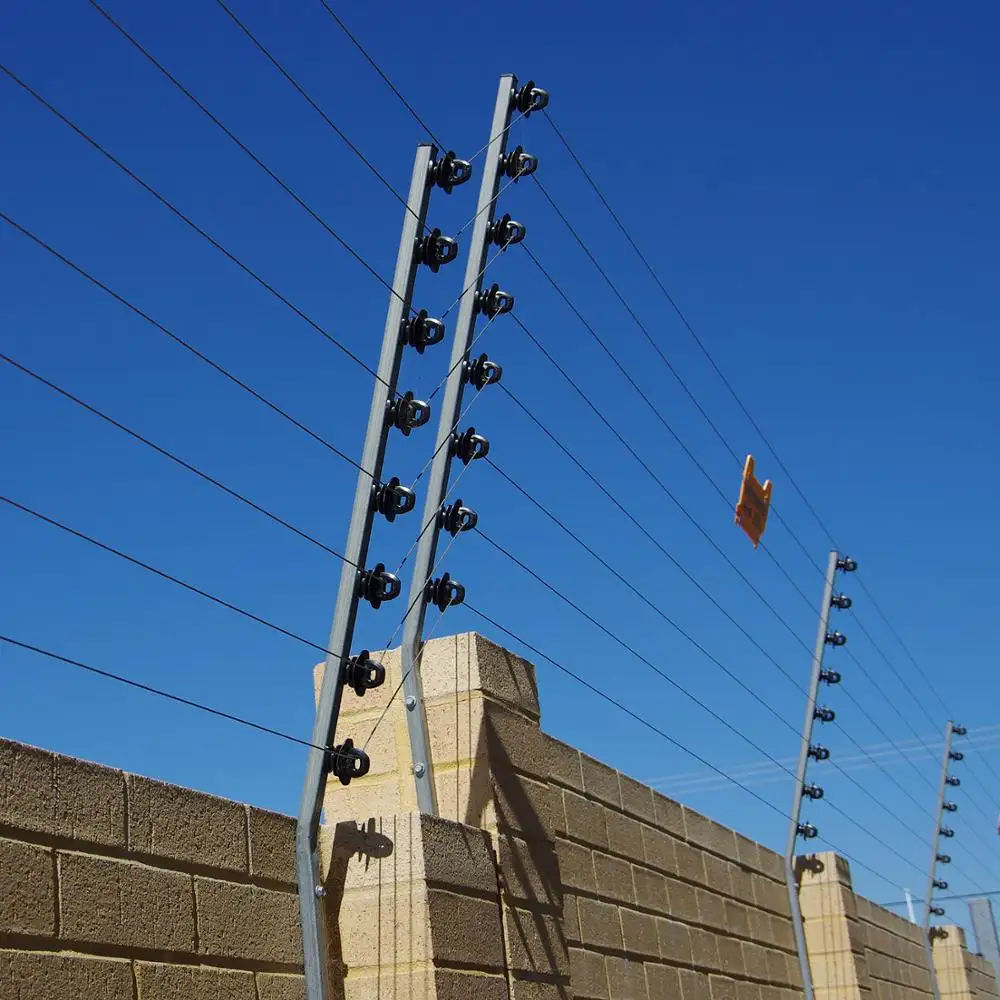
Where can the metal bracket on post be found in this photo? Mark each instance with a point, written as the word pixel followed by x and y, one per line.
pixel 933 882
pixel 809 750
pixel 358 581
pixel 450 442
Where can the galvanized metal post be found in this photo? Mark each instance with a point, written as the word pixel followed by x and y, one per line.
pixel 375 585
pixel 809 750
pixel 933 882
pixel 466 445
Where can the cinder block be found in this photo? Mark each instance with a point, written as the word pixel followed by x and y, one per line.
pixel 40 975
pixel 280 986
pixel 777 968
pixel 586 820
pixel 523 987
pixel 123 903
pixel 722 988
pixel 682 900
pixel 835 971
pixel 364 800
pixel 754 960
pixel 514 742
pixel 47 793
pixel 639 933
pixel 711 909
pixel 694 985
pixel 650 889
pixel 747 991
pixel 783 935
pixel 674 941
pixel 156 981
pixel 747 852
pixel 614 878
pixel 711 836
pixel 535 942
pixel 717 875
pixel 530 871
pixel 588 976
pixel 626 979
pixel 243 921
pixel 571 919
pixel 742 884
pixel 452 984
pixel 576 866
pixel 625 836
pixel 690 862
pixel 772 864
pixel 565 762
pixel 704 949
pixel 397 927
pixel 526 807
pixel 599 925
pixel 637 799
pixel 737 918
pixel 669 815
pixel 659 849
pixel 731 956
pixel 601 782
pixel 272 845
pixel 177 823
pixel 663 982
pixel 27 889
pixel 452 916
pixel 456 856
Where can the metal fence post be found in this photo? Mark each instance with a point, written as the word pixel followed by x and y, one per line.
pixel 808 750
pixel 357 580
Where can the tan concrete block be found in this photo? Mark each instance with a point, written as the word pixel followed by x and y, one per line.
pixel 565 762
pixel 772 864
pixel 674 940
pixel 835 971
pixel 626 979
pixel 737 918
pixel 27 889
pixel 659 850
pixel 535 942
pixel 451 918
pixel 601 782
pixel 711 909
pixel 722 988
pixel 514 742
pixel 742 884
pixel 364 800
pixel 60 796
pixel 682 900
pixel 747 852
pixel 530 871
pixel 663 982
pixel 272 845
pixel 586 820
pixel 690 862
pixel 625 836
pixel 177 823
pixel 243 921
pixel 710 835
pixel 669 815
pixel 830 934
pixel 754 960
pixel 571 919
pixel 747 991
pixel 388 984
pixel 731 956
pixel 650 889
pixel 527 807
pixel 123 903
pixel 385 754
pixel 600 926
pixel 588 975
pixel 639 933
pixel 760 924
pixel 704 949
pixel 455 732
pixel 769 895
pixel 718 875
pixel 637 799
pixel 782 933
pixel 40 975
pixel 777 968
pixel 185 982
pixel 452 984
pixel 398 927
pixel 464 794
pixel 614 878
pixel 694 985
pixel 816 901
pixel 280 986
pixel 524 987
pixel 576 866
pixel 455 856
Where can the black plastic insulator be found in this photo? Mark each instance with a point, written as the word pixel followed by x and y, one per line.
pixel 506 232
pixel 819 752
pixel 940 883
pixel 468 446
pixel 829 676
pixel 938 911
pixel 825 714
pixel 482 372
pixel 393 500
pixel 812 792
pixel 450 171
pixel 530 98
pixel 949 807
pixel 436 250
pixel 456 517
pixel 362 673
pixel 494 301
pixel 943 859
pixel 376 585
pixel 347 762
pixel 841 601
pixel 847 565
pixel 517 164
pixel 947 831
pixel 956 755
pixel 959 730
pixel 953 781
pixel 444 592
pixel 836 639
pixel 406 413
pixel 807 831
pixel 422 331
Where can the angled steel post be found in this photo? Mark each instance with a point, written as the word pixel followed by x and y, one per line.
pixel 449 443
pixel 809 750
pixel 933 882
pixel 358 582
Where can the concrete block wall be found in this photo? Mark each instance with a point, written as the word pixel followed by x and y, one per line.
pixel 119 887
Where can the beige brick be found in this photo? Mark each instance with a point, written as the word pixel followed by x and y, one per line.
pixel 39 975
pixel 123 903
pixel 571 918
pixel 777 968
pixel 614 878
pixel 747 852
pixel 280 986
pixel 243 921
pixel 690 862
pixel 599 924
pixel 742 884
pixel 364 800
pixel 637 799
pixel 755 960
pixel 601 782
pixel 530 871
pixel 397 919
pixel 455 857
pixel 669 815
pixel 60 796
pixel 710 835
pixel 711 909
pixel 682 900
pixel 704 949
pixel 674 941
pixel 744 991
pixel 760 924
pixel 412 984
pixel 718 875
pixel 659 850
pixel 526 987
pixel 185 982
pixel 722 988
pixel 781 932
pixel 650 889
pixel 527 807
pixel 272 845
pixel 586 820
pixel 663 982
pixel 513 742
pixel 452 916
pixel 576 866
pixel 737 918
pixel 451 984
pixel 835 971
pixel 625 836
pixel 27 889
pixel 639 933
pixel 177 823
pixel 588 975
pixel 565 762
pixel 534 942
pixel 694 985
pixel 626 979
pixel 772 864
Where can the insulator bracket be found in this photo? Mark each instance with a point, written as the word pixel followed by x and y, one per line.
pixel 952 780
pixel 347 762
pixel 835 639
pixel 393 500
pixel 946 831
pixel 530 98
pixel 517 164
pixel 436 250
pixel 949 807
pixel 362 673
pixel 468 446
pixel 819 752
pixel 812 791
pixel 841 601
pixel 406 413
pixel 494 302
pixel 824 714
pixel 847 565
pixel 376 585
pixel 807 831
pixel 444 592
pixel 482 372
pixel 422 331
pixel 940 883
pixel 830 676
pixel 944 859
pixel 505 232
pixel 956 755
pixel 449 171
pixel 455 518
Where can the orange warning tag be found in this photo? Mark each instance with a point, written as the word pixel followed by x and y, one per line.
pixel 754 503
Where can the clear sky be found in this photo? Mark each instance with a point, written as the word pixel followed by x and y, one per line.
pixel 815 186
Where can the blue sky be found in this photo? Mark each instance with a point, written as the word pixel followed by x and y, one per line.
pixel 815 187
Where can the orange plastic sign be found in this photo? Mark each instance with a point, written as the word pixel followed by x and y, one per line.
pixel 754 503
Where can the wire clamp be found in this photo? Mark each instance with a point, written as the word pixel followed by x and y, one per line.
pixel 362 673
pixel 812 792
pixel 408 412
pixel 835 639
pixel 847 565
pixel 829 676
pixel 494 301
pixel 456 517
pixel 819 752
pixel 436 250
pixel 517 164
pixel 807 831
pixel 824 714
pixel 445 592
pixel 376 585
pixel 422 331
pixel 449 172
pixel 483 372
pixel 347 762
pixel 841 601
pixel 469 446
pixel 506 232
pixel 530 98
pixel 947 831
pixel 393 499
